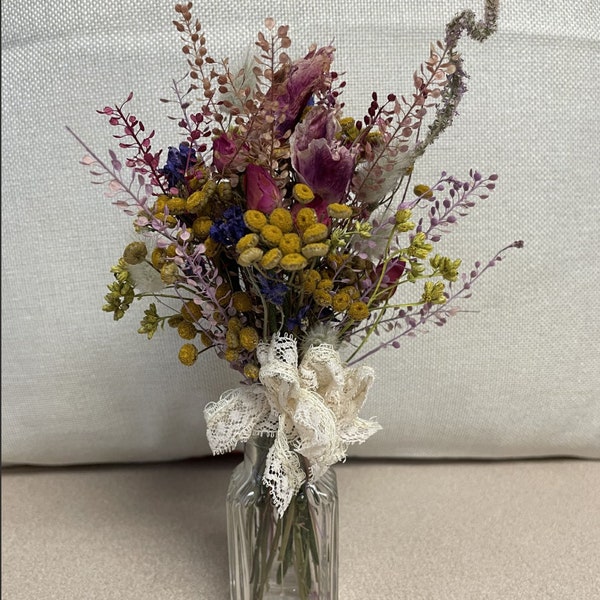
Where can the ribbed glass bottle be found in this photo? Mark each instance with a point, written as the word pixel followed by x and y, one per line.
pixel 293 557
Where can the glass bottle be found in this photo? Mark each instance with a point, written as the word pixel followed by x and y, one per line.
pixel 293 557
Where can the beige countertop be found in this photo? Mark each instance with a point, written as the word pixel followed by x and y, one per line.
pixel 435 530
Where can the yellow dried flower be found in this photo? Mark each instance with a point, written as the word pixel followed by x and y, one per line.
pixel 223 294
pixel 201 227
pixel 340 301
pixel 293 262
pixel 159 205
pixel 448 268
pixel 135 253
pixel 310 280
pixel 255 220
pixel 305 218
pixel 433 293
pixel 315 233
pixel 158 258
pixel 251 372
pixel 171 250
pixel 325 284
pixel 302 193
pixel 231 355
pixel 315 250
pixel 322 298
pixel 351 291
pixel 174 321
pixel 419 248
pixel 339 211
pixel 241 301
pixel 205 339
pixel 374 137
pixel 249 257
pixel 249 338
pixel 232 339
pixel 186 330
pixel 176 205
pixel 271 235
pixel 224 191
pixel 188 353
pixel 358 311
pixel 235 324
pixel 191 311
pixel 349 128
pixel 211 247
pixel 290 243
pixel 423 190
pixel 169 273
pixel 169 220
pixel 250 240
pixel 196 201
pixel 282 218
pixel 271 259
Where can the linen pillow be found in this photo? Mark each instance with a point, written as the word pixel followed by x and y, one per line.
pixel 518 377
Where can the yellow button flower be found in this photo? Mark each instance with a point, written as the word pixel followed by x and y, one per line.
pixel 340 301
pixel 423 190
pixel 315 233
pixel 201 227
pixel 188 353
pixel 271 235
pixel 191 311
pixel 249 257
pixel 339 211
pixel 255 220
pixel 250 240
pixel 302 193
pixel 241 301
pixel 186 330
pixel 249 338
pixel 293 262
pixel 271 259
pixel 290 242
pixel 358 311
pixel 315 250
pixel 305 218
pixel 282 218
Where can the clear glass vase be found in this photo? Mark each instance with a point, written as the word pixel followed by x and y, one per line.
pixel 295 556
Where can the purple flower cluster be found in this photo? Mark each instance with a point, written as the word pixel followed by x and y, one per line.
pixel 178 161
pixel 230 229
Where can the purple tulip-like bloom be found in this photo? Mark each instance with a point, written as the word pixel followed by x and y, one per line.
pixel 294 85
pixel 321 162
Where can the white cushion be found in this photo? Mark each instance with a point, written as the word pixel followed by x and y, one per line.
pixel 518 377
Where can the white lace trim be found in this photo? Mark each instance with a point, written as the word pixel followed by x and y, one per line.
pixel 311 409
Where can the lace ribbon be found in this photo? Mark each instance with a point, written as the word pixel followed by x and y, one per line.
pixel 311 409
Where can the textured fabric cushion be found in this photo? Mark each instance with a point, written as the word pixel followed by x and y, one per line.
pixel 518 377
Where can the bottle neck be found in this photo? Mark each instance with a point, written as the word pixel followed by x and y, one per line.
pixel 255 453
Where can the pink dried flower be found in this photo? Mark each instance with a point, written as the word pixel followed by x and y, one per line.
pixel 226 152
pixel 262 192
pixel 295 84
pixel 321 162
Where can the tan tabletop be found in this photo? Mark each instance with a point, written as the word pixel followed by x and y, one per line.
pixel 409 530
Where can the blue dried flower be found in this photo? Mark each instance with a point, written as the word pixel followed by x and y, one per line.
pixel 273 291
pixel 231 228
pixel 178 160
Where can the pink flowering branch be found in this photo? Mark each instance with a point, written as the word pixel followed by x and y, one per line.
pixel 438 314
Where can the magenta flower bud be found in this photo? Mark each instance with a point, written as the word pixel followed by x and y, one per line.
pixel 262 192
pixel 395 269
pixel 226 154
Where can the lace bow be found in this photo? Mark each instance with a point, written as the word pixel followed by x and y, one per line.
pixel 311 409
